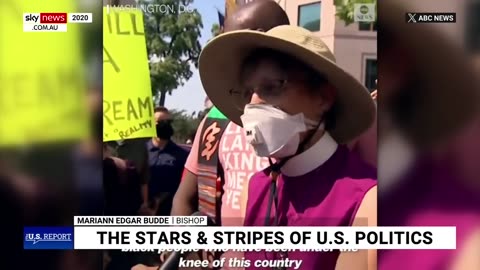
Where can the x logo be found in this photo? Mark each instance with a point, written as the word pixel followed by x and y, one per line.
pixel 412 17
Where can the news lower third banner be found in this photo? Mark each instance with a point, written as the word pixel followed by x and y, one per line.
pixel 192 233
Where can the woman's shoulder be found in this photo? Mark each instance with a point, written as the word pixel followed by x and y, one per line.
pixel 354 178
pixel 355 167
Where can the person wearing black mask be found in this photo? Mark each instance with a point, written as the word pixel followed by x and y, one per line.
pixel 166 160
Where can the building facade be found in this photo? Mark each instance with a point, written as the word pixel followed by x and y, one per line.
pixel 354 46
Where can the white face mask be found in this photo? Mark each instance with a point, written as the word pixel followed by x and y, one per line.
pixel 272 132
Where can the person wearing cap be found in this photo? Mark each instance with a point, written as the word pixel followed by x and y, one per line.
pixel 298 109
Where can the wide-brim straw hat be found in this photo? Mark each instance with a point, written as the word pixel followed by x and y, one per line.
pixel 222 58
pixel 449 95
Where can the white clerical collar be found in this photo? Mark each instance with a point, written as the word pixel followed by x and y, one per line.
pixel 311 159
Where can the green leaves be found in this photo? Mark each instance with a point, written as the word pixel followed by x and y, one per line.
pixel 172 43
pixel 185 124
pixel 215 30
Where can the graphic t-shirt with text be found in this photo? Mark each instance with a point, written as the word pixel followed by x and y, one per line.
pixel 239 162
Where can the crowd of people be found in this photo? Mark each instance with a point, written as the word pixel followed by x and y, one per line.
pixel 298 118
pixel 291 140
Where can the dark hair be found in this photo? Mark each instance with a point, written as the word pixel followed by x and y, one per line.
pixel 257 15
pixel 291 65
pixel 161 109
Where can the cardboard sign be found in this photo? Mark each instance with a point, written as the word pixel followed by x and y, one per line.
pixel 127 94
pixel 42 83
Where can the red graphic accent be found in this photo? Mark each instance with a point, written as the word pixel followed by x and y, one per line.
pixel 210 140
pixel 53 17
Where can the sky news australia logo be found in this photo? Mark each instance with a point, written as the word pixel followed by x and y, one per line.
pixel 52 238
pixel 45 22
pixel 416 17
pixel 364 12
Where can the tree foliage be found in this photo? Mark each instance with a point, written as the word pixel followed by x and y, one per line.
pixel 185 124
pixel 172 43
pixel 345 8
pixel 215 29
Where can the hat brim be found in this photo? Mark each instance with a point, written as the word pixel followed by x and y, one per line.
pixel 449 95
pixel 222 58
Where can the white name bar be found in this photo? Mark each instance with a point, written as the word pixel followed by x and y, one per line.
pixel 80 18
pixel 264 238
pixel 140 221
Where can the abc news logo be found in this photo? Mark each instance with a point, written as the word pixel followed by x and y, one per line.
pixel 412 17
pixel 45 22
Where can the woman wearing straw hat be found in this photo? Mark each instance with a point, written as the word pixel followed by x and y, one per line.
pixel 298 108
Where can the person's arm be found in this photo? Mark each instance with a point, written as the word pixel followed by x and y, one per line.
pixel 170 185
pixel 185 201
pixel 243 203
pixel 366 216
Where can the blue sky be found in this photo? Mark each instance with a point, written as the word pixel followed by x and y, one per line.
pixel 191 96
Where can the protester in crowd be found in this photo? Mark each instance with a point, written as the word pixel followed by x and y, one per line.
pixel 227 149
pixel 299 108
pixel 134 151
pixel 166 161
pixel 124 191
pixel 232 147
pixel 234 154
pixel 186 198
pixel 233 150
pixel 122 188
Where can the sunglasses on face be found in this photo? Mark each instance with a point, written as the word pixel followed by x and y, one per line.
pixel 267 89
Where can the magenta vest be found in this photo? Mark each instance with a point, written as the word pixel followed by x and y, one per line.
pixel 330 195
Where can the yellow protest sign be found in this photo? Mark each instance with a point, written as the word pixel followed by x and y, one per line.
pixel 42 87
pixel 127 94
